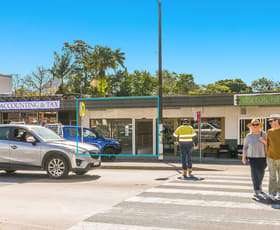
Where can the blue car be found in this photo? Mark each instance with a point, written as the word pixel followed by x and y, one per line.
pixel 90 136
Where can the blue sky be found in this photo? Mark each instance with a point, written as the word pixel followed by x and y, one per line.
pixel 211 39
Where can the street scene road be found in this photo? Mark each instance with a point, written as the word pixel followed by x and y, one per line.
pixel 211 200
pixel 30 200
pixel 218 197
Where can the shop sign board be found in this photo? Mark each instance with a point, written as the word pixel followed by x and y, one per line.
pixel 273 99
pixel 29 105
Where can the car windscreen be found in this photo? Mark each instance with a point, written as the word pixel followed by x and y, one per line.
pixel 97 132
pixel 46 134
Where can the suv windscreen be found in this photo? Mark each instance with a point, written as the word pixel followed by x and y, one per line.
pixel 97 132
pixel 88 133
pixel 56 129
pixel 72 131
pixel 46 134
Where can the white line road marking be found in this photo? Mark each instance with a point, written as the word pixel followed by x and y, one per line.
pixel 197 185
pixel 199 192
pixel 201 203
pixel 223 181
pixel 106 226
pixel 208 185
pixel 224 176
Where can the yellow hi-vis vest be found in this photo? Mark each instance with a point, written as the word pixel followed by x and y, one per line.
pixel 185 133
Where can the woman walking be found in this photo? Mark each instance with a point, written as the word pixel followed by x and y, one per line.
pixel 254 150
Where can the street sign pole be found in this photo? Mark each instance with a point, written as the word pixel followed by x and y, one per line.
pixel 82 114
pixel 197 116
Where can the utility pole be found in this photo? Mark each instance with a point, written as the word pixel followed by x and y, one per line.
pixel 159 63
pixel 160 157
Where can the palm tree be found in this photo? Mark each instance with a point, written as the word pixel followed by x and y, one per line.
pixel 102 59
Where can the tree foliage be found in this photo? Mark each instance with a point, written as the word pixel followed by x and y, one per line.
pixel 38 80
pixel 100 71
pixel 184 83
pixel 62 68
pixel 215 89
pixel 264 85
pixel 235 85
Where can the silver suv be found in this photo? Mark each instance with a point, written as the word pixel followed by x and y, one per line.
pixel 30 147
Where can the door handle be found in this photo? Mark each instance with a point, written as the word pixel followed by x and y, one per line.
pixel 14 147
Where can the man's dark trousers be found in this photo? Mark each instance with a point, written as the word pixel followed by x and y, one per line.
pixel 186 154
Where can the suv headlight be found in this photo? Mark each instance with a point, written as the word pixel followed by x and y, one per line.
pixel 74 150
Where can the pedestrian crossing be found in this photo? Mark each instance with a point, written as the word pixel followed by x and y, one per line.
pixel 210 200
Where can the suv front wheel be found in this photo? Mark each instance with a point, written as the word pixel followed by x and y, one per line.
pixel 108 151
pixel 57 167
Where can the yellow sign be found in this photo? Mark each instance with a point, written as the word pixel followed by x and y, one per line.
pixel 82 109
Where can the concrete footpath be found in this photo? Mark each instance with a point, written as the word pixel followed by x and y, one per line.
pixel 172 163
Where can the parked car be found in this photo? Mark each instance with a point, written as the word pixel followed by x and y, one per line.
pixel 30 147
pixel 90 136
pixel 209 132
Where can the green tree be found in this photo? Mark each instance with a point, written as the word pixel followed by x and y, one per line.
pixel 119 84
pixel 62 68
pixel 215 89
pixel 264 85
pixel 235 85
pixel 103 59
pixel 168 82
pixel 143 84
pixel 81 67
pixel 184 83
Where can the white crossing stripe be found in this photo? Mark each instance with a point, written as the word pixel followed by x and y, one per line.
pixel 201 203
pixel 224 176
pixel 225 181
pixel 199 192
pixel 106 226
pixel 208 185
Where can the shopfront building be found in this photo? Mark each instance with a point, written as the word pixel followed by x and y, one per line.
pixel 259 106
pixel 134 122
pixel 224 118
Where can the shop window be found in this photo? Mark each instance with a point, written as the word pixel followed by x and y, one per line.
pixel 169 126
pixel 212 133
pixel 48 117
pixel 119 129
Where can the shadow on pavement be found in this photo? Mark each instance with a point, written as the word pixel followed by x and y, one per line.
pixel 194 168
pixel 274 204
pixel 190 178
pixel 43 178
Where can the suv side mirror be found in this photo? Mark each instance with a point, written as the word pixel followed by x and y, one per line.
pixel 30 140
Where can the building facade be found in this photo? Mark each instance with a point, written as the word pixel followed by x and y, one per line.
pixel 133 122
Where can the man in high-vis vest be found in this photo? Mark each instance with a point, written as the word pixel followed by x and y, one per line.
pixel 187 139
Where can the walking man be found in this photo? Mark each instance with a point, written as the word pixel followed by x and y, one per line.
pixel 273 156
pixel 187 139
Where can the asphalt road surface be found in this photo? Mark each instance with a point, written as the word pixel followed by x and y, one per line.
pixel 32 201
pixel 210 200
pixel 137 200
